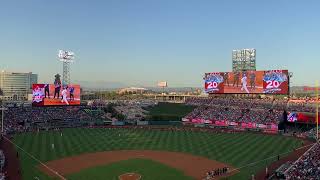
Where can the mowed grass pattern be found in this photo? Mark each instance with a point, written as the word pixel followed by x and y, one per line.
pixel 235 149
pixel 171 109
pixel 148 169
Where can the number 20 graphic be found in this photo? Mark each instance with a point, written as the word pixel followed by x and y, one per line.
pixel 212 85
pixel 272 84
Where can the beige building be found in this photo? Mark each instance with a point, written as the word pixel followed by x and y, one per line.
pixel 16 86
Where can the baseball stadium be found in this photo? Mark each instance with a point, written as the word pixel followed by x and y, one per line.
pixel 159 90
pixel 242 125
pixel 76 142
pixel 245 125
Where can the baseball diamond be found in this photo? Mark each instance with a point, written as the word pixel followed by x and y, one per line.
pixel 84 148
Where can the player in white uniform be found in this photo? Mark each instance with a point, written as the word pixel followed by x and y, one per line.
pixel 244 83
pixel 64 96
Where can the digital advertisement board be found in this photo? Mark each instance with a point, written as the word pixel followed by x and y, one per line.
pixel 55 95
pixel 292 117
pixel 247 82
pixel 301 117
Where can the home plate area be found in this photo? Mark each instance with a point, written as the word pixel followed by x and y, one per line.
pixel 130 176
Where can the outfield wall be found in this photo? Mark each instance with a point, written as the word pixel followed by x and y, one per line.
pixel 268 128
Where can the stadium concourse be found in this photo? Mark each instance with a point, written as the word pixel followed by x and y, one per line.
pixel 23 119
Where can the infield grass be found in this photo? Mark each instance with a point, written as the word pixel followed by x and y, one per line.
pixel 148 169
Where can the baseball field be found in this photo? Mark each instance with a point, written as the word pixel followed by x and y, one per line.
pixel 150 154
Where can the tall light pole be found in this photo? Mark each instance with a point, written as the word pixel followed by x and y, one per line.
pixel 66 57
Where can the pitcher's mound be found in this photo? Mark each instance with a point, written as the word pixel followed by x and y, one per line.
pixel 130 176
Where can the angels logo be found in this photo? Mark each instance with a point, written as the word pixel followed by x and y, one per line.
pixel 293 117
pixel 212 82
pixel 273 80
pixel 37 95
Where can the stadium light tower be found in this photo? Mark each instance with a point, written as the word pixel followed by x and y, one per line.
pixel 66 57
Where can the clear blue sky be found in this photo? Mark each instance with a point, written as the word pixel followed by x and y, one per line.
pixel 139 42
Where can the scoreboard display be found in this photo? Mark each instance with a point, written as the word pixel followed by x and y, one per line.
pixel 247 82
pixel 55 94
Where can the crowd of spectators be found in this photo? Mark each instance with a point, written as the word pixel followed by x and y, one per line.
pixel 266 103
pixel 2 176
pixel 245 109
pixel 308 166
pixel 313 133
pixel 25 118
pixel 2 163
pixel 235 114
pixel 19 119
pixel 215 113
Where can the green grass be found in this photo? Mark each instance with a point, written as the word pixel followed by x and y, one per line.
pixel 148 169
pixel 169 111
pixel 235 149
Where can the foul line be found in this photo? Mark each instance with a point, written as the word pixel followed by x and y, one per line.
pixel 55 172
pixel 285 172
pixel 236 169
pixel 253 163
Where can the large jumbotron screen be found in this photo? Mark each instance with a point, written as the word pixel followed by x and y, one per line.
pixel 248 82
pixel 51 95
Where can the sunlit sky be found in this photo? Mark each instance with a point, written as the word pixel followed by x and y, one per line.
pixel 144 41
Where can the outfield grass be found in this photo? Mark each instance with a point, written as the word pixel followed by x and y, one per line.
pixel 235 149
pixel 148 169
pixel 169 111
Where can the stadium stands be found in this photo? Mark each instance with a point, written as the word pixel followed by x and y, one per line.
pixel 2 163
pixel 259 111
pixel 237 110
pixel 306 167
pixel 19 119
pixel 276 104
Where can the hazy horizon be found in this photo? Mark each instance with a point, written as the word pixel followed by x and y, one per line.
pixel 143 42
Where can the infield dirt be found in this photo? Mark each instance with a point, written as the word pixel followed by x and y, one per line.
pixel 194 166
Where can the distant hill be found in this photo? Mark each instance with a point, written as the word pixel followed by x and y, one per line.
pixel 99 85
pixel 174 89
pixel 106 85
pixel 299 90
